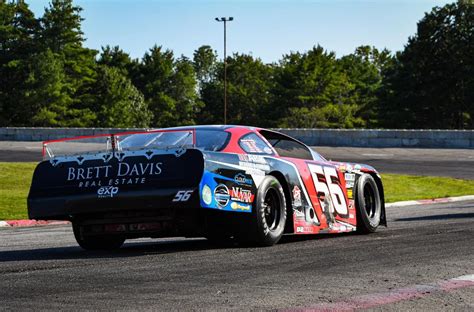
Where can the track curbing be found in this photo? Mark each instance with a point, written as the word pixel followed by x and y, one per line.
pixel 31 223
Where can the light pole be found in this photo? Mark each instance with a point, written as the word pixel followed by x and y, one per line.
pixel 225 20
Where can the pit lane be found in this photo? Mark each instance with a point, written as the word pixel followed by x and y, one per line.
pixel 42 268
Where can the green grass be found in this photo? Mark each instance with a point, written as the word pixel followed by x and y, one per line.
pixel 405 187
pixel 15 180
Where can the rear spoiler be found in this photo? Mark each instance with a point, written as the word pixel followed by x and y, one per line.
pixel 112 140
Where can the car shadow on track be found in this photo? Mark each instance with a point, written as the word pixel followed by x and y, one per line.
pixel 137 249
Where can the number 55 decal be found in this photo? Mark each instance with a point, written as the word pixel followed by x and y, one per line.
pixel 327 181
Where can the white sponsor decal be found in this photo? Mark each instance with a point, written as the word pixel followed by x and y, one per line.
pixel 107 191
pixel 182 196
pixel 297 196
pixel 349 176
pixel 242 195
pixel 105 175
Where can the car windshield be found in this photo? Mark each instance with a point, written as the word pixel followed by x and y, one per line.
pixel 206 140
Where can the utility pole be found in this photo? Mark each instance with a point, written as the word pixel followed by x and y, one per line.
pixel 225 20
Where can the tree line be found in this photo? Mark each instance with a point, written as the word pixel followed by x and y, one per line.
pixel 49 78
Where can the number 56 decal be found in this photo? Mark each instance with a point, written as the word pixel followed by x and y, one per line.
pixel 327 181
pixel 182 196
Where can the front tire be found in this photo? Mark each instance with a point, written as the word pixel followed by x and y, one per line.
pixel 368 204
pixel 269 215
pixel 96 242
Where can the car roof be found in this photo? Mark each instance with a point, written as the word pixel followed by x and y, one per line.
pixel 209 127
pixel 225 127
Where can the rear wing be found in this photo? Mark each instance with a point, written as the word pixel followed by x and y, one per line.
pixel 122 141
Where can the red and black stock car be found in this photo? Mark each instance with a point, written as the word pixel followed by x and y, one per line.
pixel 221 182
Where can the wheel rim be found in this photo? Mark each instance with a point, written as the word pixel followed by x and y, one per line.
pixel 370 201
pixel 271 209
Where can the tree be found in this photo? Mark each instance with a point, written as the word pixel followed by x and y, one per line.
pixel 49 102
pixel 184 91
pixel 116 57
pixel 62 34
pixel 18 42
pixel 205 65
pixel 119 103
pixel 169 87
pixel 61 25
pixel 431 84
pixel 313 82
pixel 248 92
pixel 364 69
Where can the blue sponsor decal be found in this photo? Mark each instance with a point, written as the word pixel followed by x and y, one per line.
pixel 216 195
pixel 221 195
pixel 240 178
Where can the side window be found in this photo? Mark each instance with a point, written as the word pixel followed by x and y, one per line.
pixel 286 146
pixel 253 144
pixel 211 140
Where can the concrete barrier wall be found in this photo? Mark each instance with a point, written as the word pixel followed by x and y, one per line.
pixel 315 137
pixel 384 138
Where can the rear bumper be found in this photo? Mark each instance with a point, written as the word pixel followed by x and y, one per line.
pixel 77 206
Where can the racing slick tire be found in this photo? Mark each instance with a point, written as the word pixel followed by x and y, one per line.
pixel 368 204
pixel 269 216
pixel 97 242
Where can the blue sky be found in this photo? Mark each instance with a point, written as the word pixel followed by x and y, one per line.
pixel 264 28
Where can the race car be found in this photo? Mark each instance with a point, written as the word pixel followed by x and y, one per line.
pixel 221 182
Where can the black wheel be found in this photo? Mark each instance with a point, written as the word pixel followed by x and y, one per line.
pixel 368 204
pixel 96 242
pixel 269 215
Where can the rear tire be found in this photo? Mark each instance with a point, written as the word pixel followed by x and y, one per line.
pixel 368 204
pixel 269 215
pixel 96 242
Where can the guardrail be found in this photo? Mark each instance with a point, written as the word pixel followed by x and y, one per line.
pixel 315 137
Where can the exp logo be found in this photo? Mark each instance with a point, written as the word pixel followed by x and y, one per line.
pixel 107 191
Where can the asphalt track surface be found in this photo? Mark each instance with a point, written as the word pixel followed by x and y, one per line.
pixel 458 163
pixel 394 269
pixel 398 268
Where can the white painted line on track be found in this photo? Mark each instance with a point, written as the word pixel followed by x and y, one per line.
pixel 430 201
pixel 465 278
pixel 378 155
pixel 393 296
pixel 4 224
